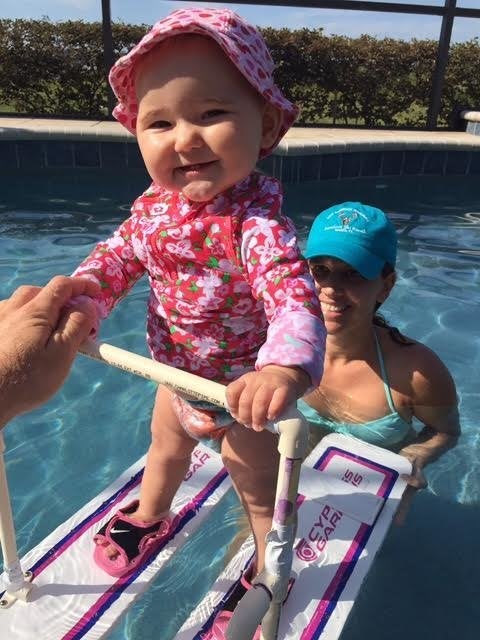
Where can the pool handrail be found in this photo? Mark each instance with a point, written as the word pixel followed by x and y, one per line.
pixel 261 604
pixel 16 582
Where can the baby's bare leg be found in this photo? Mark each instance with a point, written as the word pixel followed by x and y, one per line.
pixel 167 463
pixel 168 459
pixel 252 460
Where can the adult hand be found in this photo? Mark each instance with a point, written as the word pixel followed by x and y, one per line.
pixel 39 338
pixel 416 481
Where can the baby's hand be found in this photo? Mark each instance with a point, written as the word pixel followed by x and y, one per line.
pixel 264 395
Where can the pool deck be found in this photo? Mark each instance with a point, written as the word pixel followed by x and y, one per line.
pixel 299 141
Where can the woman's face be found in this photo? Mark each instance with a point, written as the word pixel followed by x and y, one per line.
pixel 347 299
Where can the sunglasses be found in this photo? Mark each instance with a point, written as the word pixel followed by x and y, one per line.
pixel 321 272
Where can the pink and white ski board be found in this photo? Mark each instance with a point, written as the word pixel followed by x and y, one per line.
pixel 73 598
pixel 348 494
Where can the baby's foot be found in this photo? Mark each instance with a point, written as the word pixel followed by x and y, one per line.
pixel 124 542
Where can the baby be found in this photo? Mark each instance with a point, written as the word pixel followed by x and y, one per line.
pixel 231 298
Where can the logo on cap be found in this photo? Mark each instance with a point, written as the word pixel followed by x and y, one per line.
pixel 347 220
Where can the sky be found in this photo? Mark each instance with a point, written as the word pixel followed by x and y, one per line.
pixel 340 22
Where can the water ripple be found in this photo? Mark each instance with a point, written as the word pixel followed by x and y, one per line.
pixel 64 453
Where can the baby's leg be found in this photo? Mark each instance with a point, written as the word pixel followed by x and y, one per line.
pixel 168 459
pixel 251 458
pixel 167 463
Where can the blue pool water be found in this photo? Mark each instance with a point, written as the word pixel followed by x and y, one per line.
pixel 424 582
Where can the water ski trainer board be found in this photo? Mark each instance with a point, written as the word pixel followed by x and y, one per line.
pixel 73 598
pixel 349 492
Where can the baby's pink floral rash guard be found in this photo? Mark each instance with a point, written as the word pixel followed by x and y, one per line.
pixel 229 290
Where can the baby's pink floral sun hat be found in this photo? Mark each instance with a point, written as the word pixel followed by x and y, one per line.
pixel 240 41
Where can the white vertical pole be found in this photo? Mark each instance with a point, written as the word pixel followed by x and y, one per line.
pixel 16 582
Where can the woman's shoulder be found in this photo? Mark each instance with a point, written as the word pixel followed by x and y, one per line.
pixel 418 365
pixel 408 349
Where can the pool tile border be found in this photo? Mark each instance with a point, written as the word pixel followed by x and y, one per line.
pixel 305 154
pixel 371 164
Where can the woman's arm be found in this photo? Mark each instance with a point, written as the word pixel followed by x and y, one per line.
pixel 435 405
pixel 431 444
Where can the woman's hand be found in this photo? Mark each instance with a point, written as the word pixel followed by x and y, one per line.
pixel 430 444
pixel 416 481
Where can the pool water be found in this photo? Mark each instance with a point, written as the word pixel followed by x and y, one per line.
pixel 424 582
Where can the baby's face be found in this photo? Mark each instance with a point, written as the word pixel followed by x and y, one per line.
pixel 200 125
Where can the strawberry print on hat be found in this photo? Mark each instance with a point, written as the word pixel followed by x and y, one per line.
pixel 241 42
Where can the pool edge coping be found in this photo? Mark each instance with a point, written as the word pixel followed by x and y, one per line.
pixel 298 140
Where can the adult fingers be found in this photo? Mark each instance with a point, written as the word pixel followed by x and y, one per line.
pixel 74 326
pixel 54 295
pixel 84 287
pixel 416 479
pixel 417 482
pixel 19 297
pixel 404 506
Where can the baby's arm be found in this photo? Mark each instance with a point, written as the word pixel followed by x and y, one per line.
pixel 114 266
pixel 291 359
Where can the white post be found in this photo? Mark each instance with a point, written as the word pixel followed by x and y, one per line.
pixel 15 581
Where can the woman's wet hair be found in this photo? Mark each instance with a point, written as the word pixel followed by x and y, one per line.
pixel 379 321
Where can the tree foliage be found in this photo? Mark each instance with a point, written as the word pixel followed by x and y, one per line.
pixel 51 68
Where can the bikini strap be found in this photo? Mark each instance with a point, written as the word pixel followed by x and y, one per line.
pixel 383 370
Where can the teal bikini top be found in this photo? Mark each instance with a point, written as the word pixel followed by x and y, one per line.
pixel 389 432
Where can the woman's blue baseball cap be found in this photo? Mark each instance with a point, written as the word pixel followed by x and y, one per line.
pixel 356 233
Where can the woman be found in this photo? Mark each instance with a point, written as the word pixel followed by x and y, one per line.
pixel 375 381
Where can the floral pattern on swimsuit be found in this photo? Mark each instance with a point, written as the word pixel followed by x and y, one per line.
pixel 229 290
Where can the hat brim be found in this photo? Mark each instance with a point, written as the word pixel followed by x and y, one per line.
pixel 367 264
pixel 122 74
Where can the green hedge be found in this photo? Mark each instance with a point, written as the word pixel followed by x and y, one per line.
pixel 51 68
